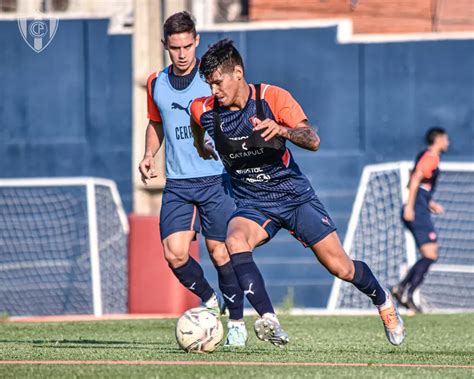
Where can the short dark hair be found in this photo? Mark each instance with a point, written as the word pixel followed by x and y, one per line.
pixel 432 133
pixel 223 55
pixel 181 22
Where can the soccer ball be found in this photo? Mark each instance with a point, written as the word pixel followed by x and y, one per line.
pixel 199 331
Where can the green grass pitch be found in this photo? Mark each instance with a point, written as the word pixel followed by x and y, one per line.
pixel 432 339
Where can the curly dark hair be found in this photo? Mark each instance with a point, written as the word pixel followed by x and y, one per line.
pixel 222 55
pixel 181 22
pixel 432 133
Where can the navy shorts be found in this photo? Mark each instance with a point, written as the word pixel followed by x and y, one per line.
pixel 422 226
pixel 308 222
pixel 200 204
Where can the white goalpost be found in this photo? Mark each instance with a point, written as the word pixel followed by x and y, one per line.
pixel 377 236
pixel 63 247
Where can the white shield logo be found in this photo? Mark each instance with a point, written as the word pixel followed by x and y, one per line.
pixel 38 32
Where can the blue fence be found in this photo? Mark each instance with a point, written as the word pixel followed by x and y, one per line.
pixel 67 112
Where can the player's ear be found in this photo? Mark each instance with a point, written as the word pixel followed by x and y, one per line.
pixel 165 44
pixel 238 72
pixel 197 39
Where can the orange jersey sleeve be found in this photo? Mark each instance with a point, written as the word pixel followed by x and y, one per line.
pixel 284 107
pixel 199 106
pixel 153 111
pixel 427 164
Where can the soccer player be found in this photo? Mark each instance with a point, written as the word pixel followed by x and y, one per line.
pixel 250 125
pixel 417 214
pixel 197 194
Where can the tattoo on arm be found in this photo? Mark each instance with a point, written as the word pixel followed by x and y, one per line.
pixel 305 137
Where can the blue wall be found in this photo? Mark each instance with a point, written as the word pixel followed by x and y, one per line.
pixel 67 111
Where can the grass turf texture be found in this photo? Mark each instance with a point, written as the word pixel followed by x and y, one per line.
pixel 432 339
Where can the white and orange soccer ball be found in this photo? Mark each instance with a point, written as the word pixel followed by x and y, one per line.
pixel 199 331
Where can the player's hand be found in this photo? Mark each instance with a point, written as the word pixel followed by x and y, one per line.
pixel 436 208
pixel 408 214
pixel 207 151
pixel 271 128
pixel 147 169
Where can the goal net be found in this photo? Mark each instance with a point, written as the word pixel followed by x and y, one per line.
pixel 377 236
pixel 63 247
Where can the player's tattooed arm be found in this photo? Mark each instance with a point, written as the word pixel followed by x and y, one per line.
pixel 304 135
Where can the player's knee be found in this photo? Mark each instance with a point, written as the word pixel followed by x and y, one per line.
pixel 175 256
pixel 218 253
pixel 176 259
pixel 430 251
pixel 344 272
pixel 433 256
pixel 237 242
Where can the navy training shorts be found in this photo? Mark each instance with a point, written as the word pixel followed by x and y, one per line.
pixel 422 226
pixel 308 222
pixel 200 204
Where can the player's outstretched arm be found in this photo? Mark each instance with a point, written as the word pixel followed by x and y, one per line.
pixel 153 141
pixel 303 135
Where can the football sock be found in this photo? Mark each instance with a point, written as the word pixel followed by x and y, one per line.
pixel 419 270
pixel 365 281
pixel 403 284
pixel 191 276
pixel 251 282
pixel 231 291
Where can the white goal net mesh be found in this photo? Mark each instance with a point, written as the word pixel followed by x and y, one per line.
pixel 46 237
pixel 377 236
pixel 450 283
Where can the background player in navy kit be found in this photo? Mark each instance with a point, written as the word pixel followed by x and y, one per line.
pixel 250 125
pixel 196 196
pixel 417 213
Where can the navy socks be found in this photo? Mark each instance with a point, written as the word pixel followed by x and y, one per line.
pixel 230 288
pixel 251 282
pixel 416 275
pixel 192 277
pixel 366 282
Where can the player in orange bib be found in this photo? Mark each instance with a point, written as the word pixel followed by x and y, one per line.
pixel 250 125
pixel 417 214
